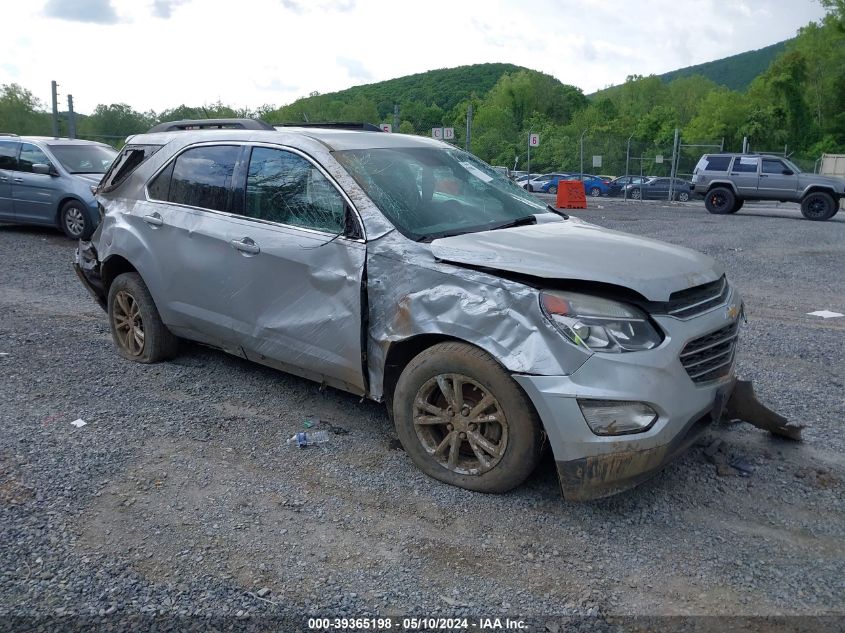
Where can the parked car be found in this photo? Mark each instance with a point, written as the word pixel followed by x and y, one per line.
pixel 545 182
pixel 502 170
pixel 727 180
pixel 658 188
pixel 488 322
pixel 616 186
pixel 594 186
pixel 47 181
pixel 523 179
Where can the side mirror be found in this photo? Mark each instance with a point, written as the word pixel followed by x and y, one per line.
pixel 788 172
pixel 41 168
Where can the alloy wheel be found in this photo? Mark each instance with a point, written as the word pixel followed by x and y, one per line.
pixel 74 221
pixel 128 323
pixel 460 424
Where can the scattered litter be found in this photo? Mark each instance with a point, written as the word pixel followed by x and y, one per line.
pixel 79 423
pixel 5 354
pixel 825 314
pixel 308 423
pixel 743 465
pixel 304 439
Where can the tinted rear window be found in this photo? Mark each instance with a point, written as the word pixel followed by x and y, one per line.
pixel 717 163
pixel 8 153
pixel 202 177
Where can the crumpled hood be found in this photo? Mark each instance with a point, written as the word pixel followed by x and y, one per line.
pixel 583 252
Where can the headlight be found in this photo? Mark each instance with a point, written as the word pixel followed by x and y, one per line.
pixel 599 324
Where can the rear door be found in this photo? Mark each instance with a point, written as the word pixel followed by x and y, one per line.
pixel 8 166
pixel 301 256
pixel 35 195
pixel 745 174
pixel 777 181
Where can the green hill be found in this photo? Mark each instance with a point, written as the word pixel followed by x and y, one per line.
pixel 735 72
pixel 444 88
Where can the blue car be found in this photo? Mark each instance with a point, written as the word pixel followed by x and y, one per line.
pixel 48 181
pixel 593 185
pixel 550 185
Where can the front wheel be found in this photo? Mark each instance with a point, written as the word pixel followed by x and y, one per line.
pixel 552 189
pixel 464 421
pixel 683 197
pixel 136 327
pixel 74 221
pixel 719 200
pixel 636 194
pixel 819 206
pixel 595 192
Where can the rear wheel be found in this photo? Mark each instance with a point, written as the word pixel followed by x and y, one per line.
pixel 136 327
pixel 595 192
pixel 683 196
pixel 552 189
pixel 464 421
pixel 719 200
pixel 818 206
pixel 636 194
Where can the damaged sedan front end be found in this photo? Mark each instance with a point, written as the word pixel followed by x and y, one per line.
pixel 407 271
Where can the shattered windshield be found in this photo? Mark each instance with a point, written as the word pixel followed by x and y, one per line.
pixel 429 192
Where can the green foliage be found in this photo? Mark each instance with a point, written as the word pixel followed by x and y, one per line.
pixel 21 112
pixel 735 72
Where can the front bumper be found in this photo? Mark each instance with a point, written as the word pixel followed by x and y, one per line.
pixel 592 466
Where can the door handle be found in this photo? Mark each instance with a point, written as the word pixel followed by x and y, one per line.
pixel 153 219
pixel 4 178
pixel 246 245
pixel 18 179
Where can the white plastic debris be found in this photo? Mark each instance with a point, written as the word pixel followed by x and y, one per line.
pixel 825 314
pixel 5 354
pixel 79 422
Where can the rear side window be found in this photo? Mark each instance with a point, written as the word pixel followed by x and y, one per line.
pixel 199 177
pixel 129 159
pixel 716 163
pixel 8 150
pixel 746 164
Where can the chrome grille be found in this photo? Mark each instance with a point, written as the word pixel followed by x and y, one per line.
pixel 691 302
pixel 710 357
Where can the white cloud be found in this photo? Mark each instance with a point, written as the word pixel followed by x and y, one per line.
pixel 274 51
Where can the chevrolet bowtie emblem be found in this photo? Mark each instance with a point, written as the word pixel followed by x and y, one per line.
pixel 732 312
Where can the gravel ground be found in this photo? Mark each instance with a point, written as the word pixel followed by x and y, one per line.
pixel 180 497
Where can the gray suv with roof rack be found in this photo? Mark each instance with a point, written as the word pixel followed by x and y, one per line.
pixel 727 180
pixel 407 271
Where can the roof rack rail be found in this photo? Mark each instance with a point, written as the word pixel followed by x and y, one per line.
pixel 8 134
pixel 336 125
pixel 211 124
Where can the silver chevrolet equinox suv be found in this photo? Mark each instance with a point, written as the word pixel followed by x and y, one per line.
pixel 727 180
pixel 405 270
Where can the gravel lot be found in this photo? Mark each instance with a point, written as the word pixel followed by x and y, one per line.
pixel 179 495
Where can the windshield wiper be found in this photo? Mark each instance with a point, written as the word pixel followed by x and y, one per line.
pixel 528 219
pixel 557 211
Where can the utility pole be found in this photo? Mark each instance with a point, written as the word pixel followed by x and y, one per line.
pixel 627 171
pixel 744 144
pixel 396 117
pixel 71 118
pixel 54 86
pixel 468 140
pixel 529 160
pixel 581 175
pixel 673 170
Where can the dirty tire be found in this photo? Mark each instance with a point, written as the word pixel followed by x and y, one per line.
pixel 737 205
pixel 73 220
pixel 509 425
pixel 136 327
pixel 719 200
pixel 552 189
pixel 683 197
pixel 595 192
pixel 819 206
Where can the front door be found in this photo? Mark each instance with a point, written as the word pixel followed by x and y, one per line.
pixel 777 180
pixel 301 262
pixel 8 166
pixel 35 194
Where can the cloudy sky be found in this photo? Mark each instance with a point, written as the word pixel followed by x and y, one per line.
pixel 155 54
